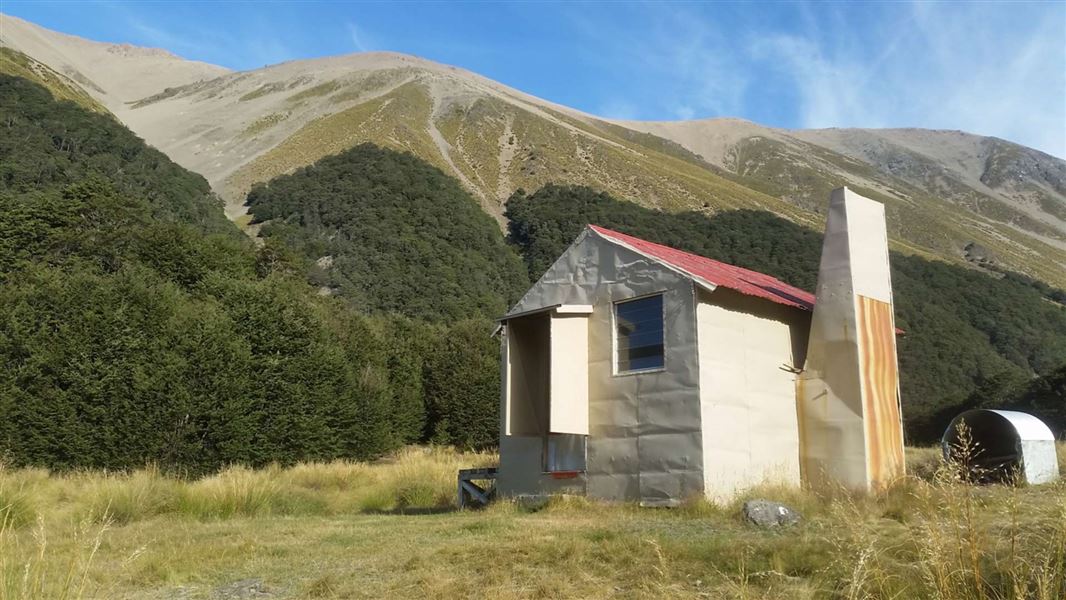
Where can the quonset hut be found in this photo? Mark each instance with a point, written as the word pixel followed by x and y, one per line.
pixel 635 371
pixel 1002 445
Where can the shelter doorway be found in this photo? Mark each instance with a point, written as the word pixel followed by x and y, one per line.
pixel 529 381
pixel 547 384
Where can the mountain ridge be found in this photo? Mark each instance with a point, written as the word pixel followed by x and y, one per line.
pixel 946 193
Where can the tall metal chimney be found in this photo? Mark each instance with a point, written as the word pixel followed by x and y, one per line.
pixel 851 432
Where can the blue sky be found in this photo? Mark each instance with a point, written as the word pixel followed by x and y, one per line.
pixel 987 68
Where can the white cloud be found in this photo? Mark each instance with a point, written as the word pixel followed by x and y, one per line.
pixel 989 69
pixel 254 45
pixel 684 112
pixel 939 66
pixel 675 63
pixel 359 39
pixel 619 109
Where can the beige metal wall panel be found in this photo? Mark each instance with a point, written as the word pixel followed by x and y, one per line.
pixel 837 445
pixel 662 406
pixel 569 412
pixel 868 243
pixel 748 392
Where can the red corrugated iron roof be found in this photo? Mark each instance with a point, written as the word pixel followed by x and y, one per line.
pixel 716 273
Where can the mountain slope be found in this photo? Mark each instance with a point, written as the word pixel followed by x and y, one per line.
pixel 13 62
pixel 949 195
pixel 946 192
pixel 963 167
pixel 115 74
pixel 46 143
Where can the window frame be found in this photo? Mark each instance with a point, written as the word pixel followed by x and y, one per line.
pixel 616 363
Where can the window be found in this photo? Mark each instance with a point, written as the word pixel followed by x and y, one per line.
pixel 639 334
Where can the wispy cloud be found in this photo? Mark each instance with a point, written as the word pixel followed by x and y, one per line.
pixel 617 108
pixel 684 64
pixel 988 68
pixel 991 69
pixel 255 44
pixel 976 68
pixel 359 39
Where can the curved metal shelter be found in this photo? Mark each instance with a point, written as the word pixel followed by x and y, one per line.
pixel 1002 443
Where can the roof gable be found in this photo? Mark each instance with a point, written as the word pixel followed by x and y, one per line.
pixel 712 273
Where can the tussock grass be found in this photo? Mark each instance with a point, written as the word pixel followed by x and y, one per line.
pixel 413 478
pixel 30 568
pixel 16 503
pixel 345 529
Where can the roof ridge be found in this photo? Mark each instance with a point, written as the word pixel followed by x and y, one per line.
pixel 714 272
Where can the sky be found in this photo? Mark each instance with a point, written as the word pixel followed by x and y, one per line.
pixel 987 68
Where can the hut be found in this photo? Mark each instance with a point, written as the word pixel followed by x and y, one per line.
pixel 1002 445
pixel 635 371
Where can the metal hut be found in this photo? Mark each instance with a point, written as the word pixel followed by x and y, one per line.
pixel 635 371
pixel 996 444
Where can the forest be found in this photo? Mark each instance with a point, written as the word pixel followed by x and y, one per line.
pixel 391 233
pixel 137 325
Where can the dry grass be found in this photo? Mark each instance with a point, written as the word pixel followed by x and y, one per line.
pixel 342 530
pixel 414 478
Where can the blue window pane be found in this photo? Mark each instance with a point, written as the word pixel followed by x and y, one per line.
pixel 640 334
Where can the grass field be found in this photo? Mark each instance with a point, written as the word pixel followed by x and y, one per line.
pixel 389 529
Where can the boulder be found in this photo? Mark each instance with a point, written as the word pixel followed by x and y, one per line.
pixel 766 513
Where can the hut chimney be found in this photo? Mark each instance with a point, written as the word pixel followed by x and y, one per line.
pixel 851 432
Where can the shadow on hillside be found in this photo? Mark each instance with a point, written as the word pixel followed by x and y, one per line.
pixel 435 510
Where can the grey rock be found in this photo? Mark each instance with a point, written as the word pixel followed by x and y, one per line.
pixel 766 513
pixel 245 588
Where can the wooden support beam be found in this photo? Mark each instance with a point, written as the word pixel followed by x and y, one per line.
pixel 470 493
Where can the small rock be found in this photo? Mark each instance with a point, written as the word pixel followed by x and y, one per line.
pixel 245 588
pixel 765 513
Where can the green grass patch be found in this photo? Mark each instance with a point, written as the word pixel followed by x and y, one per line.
pixel 264 123
pixel 263 90
pixel 322 89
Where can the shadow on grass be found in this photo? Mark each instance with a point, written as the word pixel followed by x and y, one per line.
pixel 433 510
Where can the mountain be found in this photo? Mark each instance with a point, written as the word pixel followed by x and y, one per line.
pixel 959 197
pixel 114 74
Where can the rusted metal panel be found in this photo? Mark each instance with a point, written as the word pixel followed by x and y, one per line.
pixel 847 395
pixel 880 382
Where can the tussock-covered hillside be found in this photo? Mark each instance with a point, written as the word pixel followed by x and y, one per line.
pixel 955 196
